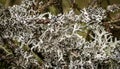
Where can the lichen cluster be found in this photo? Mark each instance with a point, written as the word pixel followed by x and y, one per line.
pixel 43 40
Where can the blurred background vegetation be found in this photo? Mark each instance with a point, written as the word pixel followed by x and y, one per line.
pixel 66 4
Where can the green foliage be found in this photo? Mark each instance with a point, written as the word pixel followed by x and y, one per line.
pixel 3 2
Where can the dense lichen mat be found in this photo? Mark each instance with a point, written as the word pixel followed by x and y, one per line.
pixel 33 38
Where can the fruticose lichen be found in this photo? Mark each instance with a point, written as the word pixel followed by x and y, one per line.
pixel 57 38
